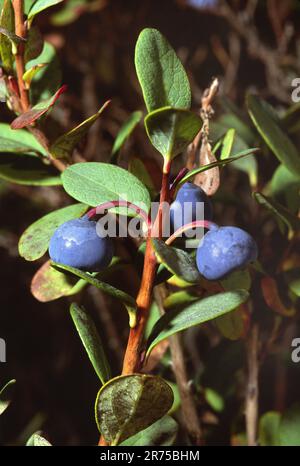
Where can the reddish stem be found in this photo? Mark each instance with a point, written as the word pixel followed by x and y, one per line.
pixel 20 31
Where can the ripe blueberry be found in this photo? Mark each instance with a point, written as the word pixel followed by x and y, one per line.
pixel 187 208
pixel 223 250
pixel 77 243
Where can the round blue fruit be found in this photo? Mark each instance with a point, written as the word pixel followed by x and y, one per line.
pixel 191 204
pixel 79 244
pixel 223 250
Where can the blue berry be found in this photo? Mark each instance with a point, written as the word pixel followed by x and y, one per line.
pixel 223 250
pixel 78 244
pixel 184 209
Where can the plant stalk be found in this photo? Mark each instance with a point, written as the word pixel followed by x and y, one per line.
pixel 20 30
pixel 252 389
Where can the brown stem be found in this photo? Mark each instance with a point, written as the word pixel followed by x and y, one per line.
pixel 133 357
pixel 188 406
pixel 20 31
pixel 43 140
pixel 252 389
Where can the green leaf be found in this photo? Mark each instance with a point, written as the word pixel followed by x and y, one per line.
pixel 34 241
pixel 18 140
pixel 65 144
pixel 7 23
pixel 268 431
pixel 161 75
pixel 292 278
pixel 48 80
pixel 49 284
pixel 231 325
pixel 41 5
pixel 176 261
pixel 125 298
pixel 6 395
pixel 214 399
pixel 274 137
pixel 279 211
pixel 237 280
pixel 179 298
pixel 29 117
pixel 227 144
pixel 31 73
pixel 27 170
pixel 138 169
pixel 286 186
pixel 197 313
pixel 95 183
pixel 170 130
pixel 162 433
pixel 34 45
pixel 125 131
pixel 128 404
pixel 289 427
pixel 36 440
pixel 219 163
pixel 91 341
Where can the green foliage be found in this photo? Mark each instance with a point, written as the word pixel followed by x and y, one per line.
pixel 6 24
pixel 125 298
pixel 49 284
pixel 280 212
pixel 18 141
pixel 6 394
pixel 272 134
pixel 26 169
pixel 39 6
pixel 34 241
pixel 36 440
pixel 162 433
pixel 91 341
pixel 65 144
pixel 125 131
pixel 197 313
pixel 177 261
pixel 170 130
pixel 289 427
pixel 49 78
pixel 161 75
pixel 268 434
pixel 129 404
pixel 95 183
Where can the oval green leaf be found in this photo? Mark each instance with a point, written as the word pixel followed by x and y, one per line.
pixel 94 183
pixel 128 404
pixel 161 75
pixel 171 130
pixel 177 320
pixel 34 241
pixel 18 141
pixel 177 261
pixel 36 440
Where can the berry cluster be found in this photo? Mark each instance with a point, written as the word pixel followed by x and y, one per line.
pixel 78 243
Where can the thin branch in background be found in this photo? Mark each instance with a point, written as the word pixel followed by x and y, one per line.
pixel 252 388
pixel 190 415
